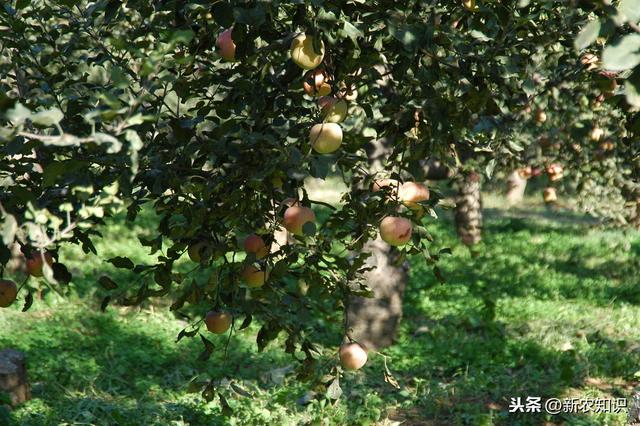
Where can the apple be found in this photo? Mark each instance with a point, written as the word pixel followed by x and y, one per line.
pixel 226 46
pixel 541 116
pixel 525 172
pixel 549 195
pixel 8 293
pixel 35 263
pixel 295 217
pixel 197 250
pixel 607 145
pixel 412 193
pixel 316 83
pixel 348 93
pixel 353 356
pixel 590 61
pixel 332 109
pixel 378 184
pixel 290 202
pixel 395 230
pixel 277 182
pixel 596 134
pixel 470 5
pixel 253 276
pixel 255 244
pixel 303 54
pixel 555 172
pixel 325 138
pixel 218 322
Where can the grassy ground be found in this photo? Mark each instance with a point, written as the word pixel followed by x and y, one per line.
pixel 548 306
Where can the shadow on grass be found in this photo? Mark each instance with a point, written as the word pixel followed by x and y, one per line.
pixel 94 368
pixel 461 374
pixel 464 366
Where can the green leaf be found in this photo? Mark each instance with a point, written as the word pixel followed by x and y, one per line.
pixel 107 283
pixel 351 31
pixel 309 229
pixel 18 114
pixel 121 262
pixel 48 118
pixel 588 34
pixel 226 408
pixel 61 274
pixel 21 4
pixel 9 229
pixel 630 9
pixel 623 54
pixel 101 138
pixel 334 391
pixel 105 303
pixel 255 16
pixel 632 88
pixel 28 301
pixel 208 349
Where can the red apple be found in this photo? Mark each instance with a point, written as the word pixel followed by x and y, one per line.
pixel 395 230
pixel 226 46
pixel 35 263
pixel 353 356
pixel 8 293
pixel 255 244
pixel 296 216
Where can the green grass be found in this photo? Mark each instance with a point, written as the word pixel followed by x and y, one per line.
pixel 547 306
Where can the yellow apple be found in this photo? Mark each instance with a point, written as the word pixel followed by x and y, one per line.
pixel 197 250
pixel 596 134
pixel 541 116
pixel 325 138
pixel 303 54
pixel 316 83
pixel 395 230
pixel 218 322
pixel 332 110
pixel 549 195
pixel 348 93
pixel 253 276
pixel 470 5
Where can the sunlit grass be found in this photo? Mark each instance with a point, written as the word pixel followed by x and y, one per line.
pixel 564 323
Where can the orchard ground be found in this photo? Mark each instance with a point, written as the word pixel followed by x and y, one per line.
pixel 561 320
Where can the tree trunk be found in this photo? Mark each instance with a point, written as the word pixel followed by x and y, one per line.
pixel 13 376
pixel 374 321
pixel 516 185
pixel 468 211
